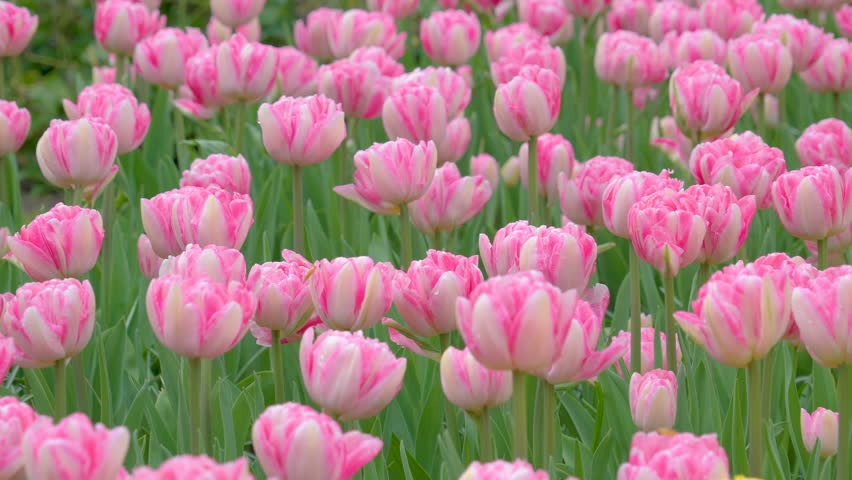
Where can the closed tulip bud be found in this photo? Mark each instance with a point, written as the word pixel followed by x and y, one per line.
pixel 742 162
pixel 50 321
pixel 843 18
pixel 219 170
pixel 728 220
pixel 218 32
pixel 805 41
pixel 161 59
pixel 528 105
pixel 198 316
pixel 470 386
pixel 203 216
pixel 828 142
pixel 19 25
pixel 348 375
pixel 623 192
pixel 396 8
pixel 415 112
pixel 746 52
pixel 384 63
pixel 450 201
pixel 368 286
pixel 149 262
pixel 283 294
pixel 506 38
pixel 294 442
pixel 809 4
pixel 587 9
pixel 391 174
pixel 687 47
pixel 555 157
pixel 14 127
pixel 121 24
pixel 15 419
pixel 653 399
pixel 450 37
pixel 452 148
pixel 813 203
pixel 648 340
pixel 822 425
pixel 510 172
pixel 819 312
pixel 312 34
pixel 671 16
pixel 357 28
pixel 201 95
pixel 581 197
pixel 245 70
pixel 358 87
pixel 301 131
pixel 118 107
pixel 219 264
pixel 451 85
pixel 730 18
pixel 186 466
pixel 631 15
pixel 549 17
pixel 297 73
pixel 234 13
pixel 64 242
pixel 832 72
pixel 513 59
pixel 678 456
pixel 78 153
pixel 629 60
pixel 486 166
pixel 500 469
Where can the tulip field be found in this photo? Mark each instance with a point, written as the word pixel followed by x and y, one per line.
pixel 426 239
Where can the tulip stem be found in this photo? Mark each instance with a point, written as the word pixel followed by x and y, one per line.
pixel 519 412
pixel 767 384
pixel 107 212
pixel 483 421
pixel 822 253
pixel 635 313
pixel 238 127
pixel 197 408
pixel 548 422
pixel 119 71
pixel 532 181
pixel 78 369
pixel 703 274
pixel 755 419
pixel 671 334
pixel 838 105
pixel 610 118
pixel 449 408
pixel 180 136
pixel 845 402
pixel 298 210
pixel 404 237
pixel 2 78
pixel 277 373
pixel 13 188
pixel 628 134
pixel 59 390
pixel 181 12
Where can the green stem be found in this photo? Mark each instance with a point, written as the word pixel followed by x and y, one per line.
pixel 671 334
pixel 629 154
pixel 238 127
pixel 449 408
pixel 59 389
pixel 548 421
pixel 277 364
pixel 119 71
pixel 486 450
pixel 107 212
pixel 532 182
pixel 838 106
pixel 197 408
pixel 760 116
pixel 180 136
pixel 298 210
pixel 845 401
pixel 2 78
pixel 610 118
pixel 519 414
pixel 755 421
pixel 635 313
pixel 13 188
pixel 822 253
pixel 404 237
pixel 584 69
pixel 343 176
pixel 436 242
pixel 78 369
pixel 703 274
pixel 766 391
pixel 182 12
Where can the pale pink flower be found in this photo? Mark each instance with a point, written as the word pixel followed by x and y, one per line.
pixel 730 18
pixel 503 39
pixel 450 37
pixel 648 339
pixel 161 59
pixel 358 28
pixel 219 264
pixel 629 60
pixel 581 197
pixel 117 106
pixel 843 18
pixel 415 112
pixel 15 419
pixel 234 13
pixel 245 70
pixel 312 34
pixel 819 310
pixel 528 105
pixel 283 293
pixel 121 24
pixel 549 17
pixel 301 131
pixel 555 157
pixel 201 95
pixel 760 62
pixel 828 142
pixel 471 386
pixel 359 87
pixel 450 201
pixel 203 467
pixel 384 63
pixel 78 153
pixel 822 425
pixel 632 15
pixel 149 262
pixel 805 41
pixel 18 28
pixel 454 145
pixel 653 399
pixel 14 126
pixel 513 59
pixel 728 219
pixel 687 47
pixel 671 17
pixel 814 203
pixel 450 84
pixel 352 293
pixel 682 456
pixel 223 171
pixel 623 192
pixel 832 71
pixel 486 166
pixel 500 469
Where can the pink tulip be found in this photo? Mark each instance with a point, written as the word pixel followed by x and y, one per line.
pixel 415 112
pixel 219 264
pixel 500 469
pixel 294 442
pixel 360 88
pixel 667 230
pixel 15 419
pixel 486 166
pixel 581 196
pixel 218 170
pixel 450 37
pixel 384 63
pixel 78 153
pixel 121 24
pixel 7 358
pixel 828 142
pixel 502 40
pixel 397 8
pixel 815 202
pixel 832 71
pixel 368 287
pixel 454 145
pixel 450 201
pixel 822 426
pixel 623 192
pixel 836 244
pixel 730 18
pixel 632 15
pixel 283 294
pixel 671 17
pixel 149 262
pixel 451 85
pixel 823 320
pixel 118 107
pixel 653 399
pixel 528 105
pixel 357 28
pixel 186 466
pixel 705 101
pixel 297 73
pixel 728 219
pixel 50 321
pixel 391 174
pixel 804 40
pixel 348 375
pixel 548 17
pixel 586 9
pixel 301 131
pixel 515 58
pixel 161 59
pixel 555 158
pixel 510 172
pixel 263 335
pixel 198 316
pixel 667 137
pixel 312 34
pixel 843 18
pixel 799 272
pixel 234 13
pixel 809 4
pixel 18 27
pixel 648 339
pixel 682 456
pixel 105 74
pixel 470 386
pixel 218 32
pixel 64 242
pixel 201 95
pixel 687 47
pixel 14 127
pixel 203 216
pixel 760 62
pixel 4 245
pixel 245 70
pixel 629 60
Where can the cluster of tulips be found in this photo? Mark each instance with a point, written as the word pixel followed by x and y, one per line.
pixel 537 318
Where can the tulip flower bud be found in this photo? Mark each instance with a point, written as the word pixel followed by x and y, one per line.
pixel 297 73
pixel 149 262
pixel 357 28
pixel 219 264
pixel 415 112
pixel 822 425
pixel 312 34
pixel 529 104
pixel 581 197
pixel 828 142
pixel 486 166
pixel 819 314
pixel 504 39
pixel 121 24
pixel 452 148
pixel 161 59
pixel 519 470
pixel 234 13
pixel 14 126
pixel 368 292
pixel 746 52
pixel 548 17
pixel 805 41
pixel 687 47
pixel 245 70
pixel 728 220
pixel 843 18
pixel 15 419
pixel 358 87
pixel 730 18
pixel 18 28
pixel 450 201
pixel 815 202
pixel 555 157
pixel 78 153
pixel 623 192
pixel 450 37
pixel 629 60
pixel 186 466
pixel 832 72
pixel 218 170
pixel 450 85
pixel 301 131
pixel 283 294
pixel 653 399
pixel 671 16
pixel 469 385
pixel 659 454
pixel 630 15
pixel 116 105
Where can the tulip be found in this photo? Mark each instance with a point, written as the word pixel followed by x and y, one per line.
pixel 115 105
pixel 628 60
pixel 450 201
pixel 74 448
pixel 384 63
pixel 449 84
pixel 149 262
pixel 742 162
pixel 201 95
pixel 203 467
pixel 357 28
pixel 14 126
pixel 666 137
pixel 623 192
pixel 555 158
pixel 682 456
pixel 218 32
pixel 504 39
pixel 828 142
pixel 705 101
pixel 219 264
pixel 264 337
pixel 500 469
pixel 245 70
pixel 18 27
pixel 15 419
pixel 647 340
pixel 297 73
pixel 293 442
pixel 671 17
pixel 390 175
pixel 808 4
pixel 64 242
pixel 687 47
pixel 454 145
pixel 218 170
pixel 515 58
pixel 486 166
pixel 843 19
pixel 818 312
pixel 631 15
pixel 283 294
pixel 368 292
pixel 397 9
pixel 832 72
pixel 746 52
pixel 302 131
pixel 471 386
pixel 581 197
pixel 312 34
pixel 415 112
pixel 549 17
pixel 805 41
pixel 234 13
pixel 528 105
pixel 203 216
pixel 799 272
pixel 78 153
pixel 730 18
pixel 653 400
pixel 161 59
pixel 586 9
pixel 510 172
pixel 348 375
pixel 728 220
pixel 822 426
pixel 813 203
pixel 450 37
pixel 121 24
pixel 358 87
